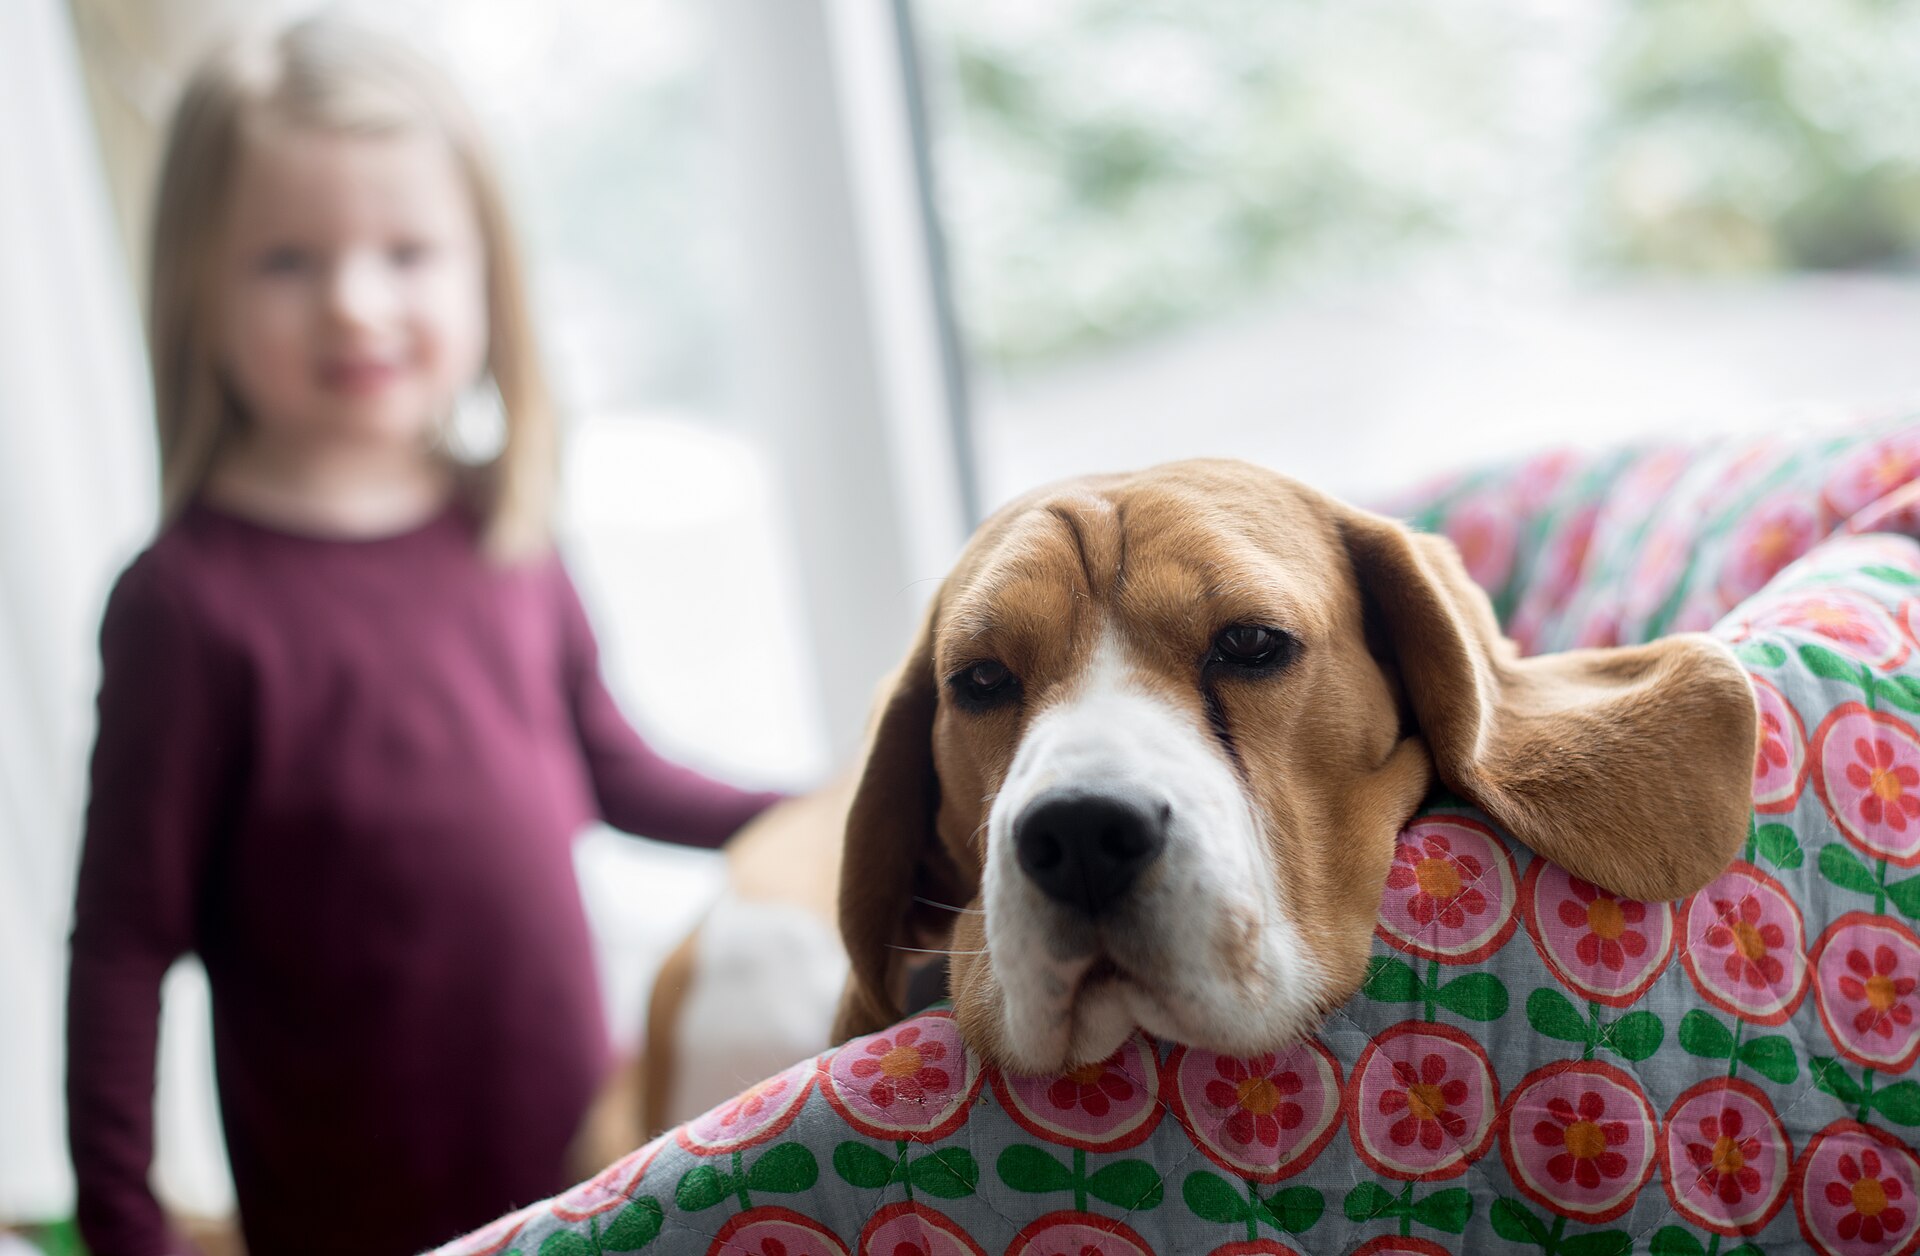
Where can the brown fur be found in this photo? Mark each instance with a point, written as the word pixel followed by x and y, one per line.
pixel 1629 767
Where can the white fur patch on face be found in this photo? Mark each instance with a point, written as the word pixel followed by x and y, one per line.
pixel 1203 945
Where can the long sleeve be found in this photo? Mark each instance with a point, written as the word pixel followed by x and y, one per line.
pixel 161 764
pixel 637 789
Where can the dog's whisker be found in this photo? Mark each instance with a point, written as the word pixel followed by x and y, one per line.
pixel 923 950
pixel 970 911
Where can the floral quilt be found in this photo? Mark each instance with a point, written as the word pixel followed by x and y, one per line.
pixel 1533 1065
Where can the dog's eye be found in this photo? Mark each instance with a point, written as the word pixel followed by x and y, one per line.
pixel 1249 645
pixel 984 684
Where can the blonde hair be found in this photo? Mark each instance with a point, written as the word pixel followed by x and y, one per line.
pixel 330 75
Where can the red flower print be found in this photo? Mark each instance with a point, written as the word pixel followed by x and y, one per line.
pixel 1722 1158
pixel 1750 943
pixel 1256 1092
pixel 910 1249
pixel 902 1070
pixel 1871 982
pixel 1429 1099
pixel 1094 1088
pixel 1833 620
pixel 1774 751
pixel 1870 1196
pixel 1889 795
pixel 1586 1140
pixel 1609 938
pixel 749 1105
pixel 1443 883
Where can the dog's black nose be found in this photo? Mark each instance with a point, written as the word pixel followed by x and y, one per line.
pixel 1086 849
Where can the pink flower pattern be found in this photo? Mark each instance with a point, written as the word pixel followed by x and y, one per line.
pixel 1105 1106
pixel 1867 775
pixel 901 1067
pixel 1422 1101
pixel 1578 1139
pixel 915 1079
pixel 1874 1202
pixel 1605 948
pixel 1263 1117
pixel 1865 971
pixel 1853 1192
pixel 1780 765
pixel 1746 949
pixel 1726 1158
pixel 1450 890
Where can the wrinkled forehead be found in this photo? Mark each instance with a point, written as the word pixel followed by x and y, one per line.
pixel 1153 560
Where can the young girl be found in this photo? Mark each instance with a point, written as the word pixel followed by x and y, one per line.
pixel 351 711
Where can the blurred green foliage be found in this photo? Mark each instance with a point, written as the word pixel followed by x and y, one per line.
pixel 1112 168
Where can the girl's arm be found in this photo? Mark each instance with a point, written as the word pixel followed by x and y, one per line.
pixel 163 755
pixel 638 790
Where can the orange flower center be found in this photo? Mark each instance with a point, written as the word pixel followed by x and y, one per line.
pixel 1425 1102
pixel 1585 1140
pixel 1438 877
pixel 900 1062
pixel 1086 1074
pixel 1605 918
pixel 1746 936
pixel 1825 617
pixel 1886 786
pixel 1776 542
pixel 1727 1157
pixel 1869 1197
pixel 1259 1095
pixel 1880 992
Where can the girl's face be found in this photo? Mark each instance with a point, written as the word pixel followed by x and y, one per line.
pixel 352 292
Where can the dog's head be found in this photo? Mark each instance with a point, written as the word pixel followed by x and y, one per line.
pixel 1146 759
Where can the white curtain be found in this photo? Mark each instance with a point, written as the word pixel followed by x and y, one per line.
pixel 75 495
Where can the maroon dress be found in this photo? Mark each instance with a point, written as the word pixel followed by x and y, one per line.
pixel 346 774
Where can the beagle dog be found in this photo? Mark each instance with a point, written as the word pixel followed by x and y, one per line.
pixel 1145 761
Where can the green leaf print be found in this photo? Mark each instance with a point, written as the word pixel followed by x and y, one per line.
pixel 1777 845
pixel 1445 1210
pixel 1605 1243
pixel 1674 1241
pixel 1760 654
pixel 1701 1033
pixel 1295 1209
pixel 950 1173
pixel 1030 1169
pixel 1824 662
pixel 1892 575
pixel 1476 996
pixel 702 1188
pixel 1635 1036
pixel 1831 1076
pixel 1773 1057
pixel 566 1243
pixel 1899 1103
pixel 1131 1184
pixel 1211 1198
pixel 1900 691
pixel 860 1165
pixel 634 1226
pixel 1549 1012
pixel 1391 981
pixel 1905 895
pixel 1513 1222
pixel 786 1169
pixel 1369 1201
pixel 1842 867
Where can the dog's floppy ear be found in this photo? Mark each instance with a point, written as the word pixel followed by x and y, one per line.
pixel 1629 767
pixel 892 850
